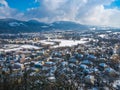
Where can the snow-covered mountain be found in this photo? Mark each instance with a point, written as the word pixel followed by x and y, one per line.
pixel 16 26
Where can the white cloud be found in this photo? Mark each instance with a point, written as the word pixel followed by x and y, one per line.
pixel 90 12
pixel 83 11
pixel 3 3
pixel 7 12
pixel 4 9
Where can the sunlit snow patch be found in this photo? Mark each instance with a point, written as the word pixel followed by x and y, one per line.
pixel 64 43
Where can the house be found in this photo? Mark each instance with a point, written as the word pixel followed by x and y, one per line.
pixel 87 62
pixel 111 72
pixel 73 60
pixel 89 79
pixel 18 66
pixel 83 67
pixel 64 63
pixel 38 65
pixel 51 78
pixel 102 66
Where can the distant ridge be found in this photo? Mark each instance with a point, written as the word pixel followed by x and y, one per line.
pixel 9 25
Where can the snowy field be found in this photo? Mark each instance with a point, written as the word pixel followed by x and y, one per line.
pixel 102 35
pixel 64 43
pixel 12 47
pixel 46 42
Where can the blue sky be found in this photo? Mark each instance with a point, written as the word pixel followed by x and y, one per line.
pixel 23 5
pixel 90 12
pixel 115 4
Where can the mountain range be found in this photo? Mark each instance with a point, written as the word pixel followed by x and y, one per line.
pixel 16 26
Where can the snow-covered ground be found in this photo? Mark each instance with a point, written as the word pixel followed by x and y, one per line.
pixel 102 35
pixel 64 43
pixel 46 42
pixel 116 33
pixel 29 47
pixel 18 47
pixel 116 83
pixel 13 49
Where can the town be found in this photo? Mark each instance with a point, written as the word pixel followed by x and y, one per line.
pixel 60 60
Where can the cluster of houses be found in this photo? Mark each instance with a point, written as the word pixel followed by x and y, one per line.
pixel 94 65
